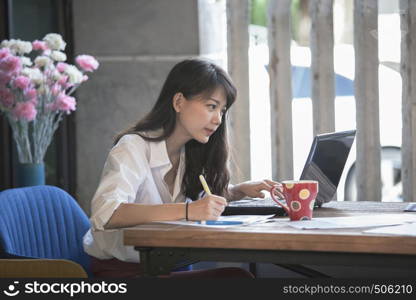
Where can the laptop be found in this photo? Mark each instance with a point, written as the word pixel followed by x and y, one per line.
pixel 325 164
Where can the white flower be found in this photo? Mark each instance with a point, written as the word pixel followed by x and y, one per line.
pixel 26 71
pixel 42 61
pixel 34 74
pixel 75 75
pixel 5 44
pixel 17 46
pixel 58 56
pixel 25 61
pixel 56 75
pixel 54 41
pixel 23 47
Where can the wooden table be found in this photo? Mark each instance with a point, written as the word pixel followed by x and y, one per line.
pixel 163 247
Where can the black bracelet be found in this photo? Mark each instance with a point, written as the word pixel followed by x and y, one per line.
pixel 186 209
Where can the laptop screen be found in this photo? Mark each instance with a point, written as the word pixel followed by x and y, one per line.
pixel 326 161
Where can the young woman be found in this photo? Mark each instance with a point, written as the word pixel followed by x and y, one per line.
pixel 152 171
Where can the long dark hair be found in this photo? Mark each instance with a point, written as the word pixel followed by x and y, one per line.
pixel 193 77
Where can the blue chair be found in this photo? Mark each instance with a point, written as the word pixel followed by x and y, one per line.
pixel 42 222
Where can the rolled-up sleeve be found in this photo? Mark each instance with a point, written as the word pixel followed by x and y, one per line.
pixel 124 171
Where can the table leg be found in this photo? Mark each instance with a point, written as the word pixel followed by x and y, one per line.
pixel 161 261
pixel 145 263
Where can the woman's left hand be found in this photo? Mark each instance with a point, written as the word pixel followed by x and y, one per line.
pixel 252 189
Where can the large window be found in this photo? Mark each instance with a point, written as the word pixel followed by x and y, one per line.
pixel 390 85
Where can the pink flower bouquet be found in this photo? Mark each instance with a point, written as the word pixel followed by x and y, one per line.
pixel 34 95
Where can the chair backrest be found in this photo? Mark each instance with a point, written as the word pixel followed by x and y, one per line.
pixel 42 222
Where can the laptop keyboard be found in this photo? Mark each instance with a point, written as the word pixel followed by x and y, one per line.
pixel 255 202
pixel 256 206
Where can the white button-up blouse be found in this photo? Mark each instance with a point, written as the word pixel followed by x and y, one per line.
pixel 133 173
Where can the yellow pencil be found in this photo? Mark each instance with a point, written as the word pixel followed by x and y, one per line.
pixel 204 185
pixel 206 189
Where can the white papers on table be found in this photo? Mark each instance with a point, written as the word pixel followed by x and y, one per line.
pixel 355 222
pixel 405 229
pixel 244 219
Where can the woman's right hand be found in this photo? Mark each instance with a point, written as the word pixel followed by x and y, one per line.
pixel 209 207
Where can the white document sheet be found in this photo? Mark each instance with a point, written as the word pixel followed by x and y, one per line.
pixel 242 219
pixel 355 222
pixel 405 229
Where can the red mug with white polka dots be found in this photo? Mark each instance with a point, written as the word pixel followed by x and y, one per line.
pixel 300 198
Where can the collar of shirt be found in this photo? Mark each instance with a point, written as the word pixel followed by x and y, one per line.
pixel 158 154
pixel 158 151
pixel 159 158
